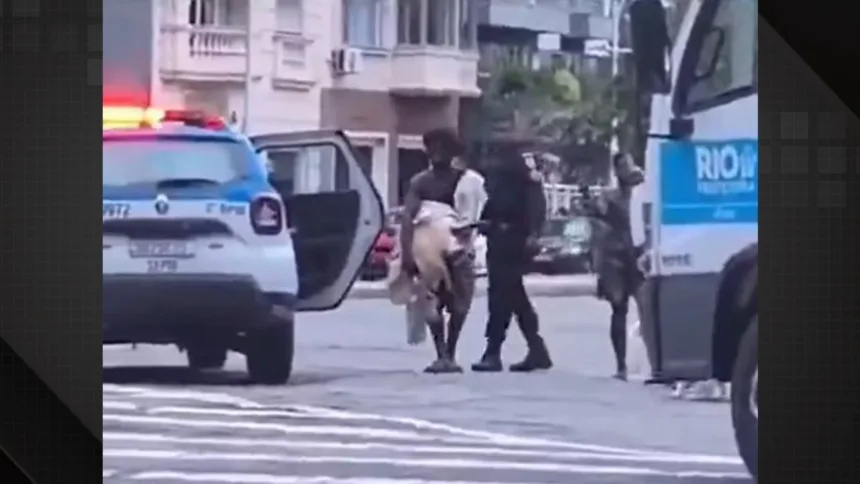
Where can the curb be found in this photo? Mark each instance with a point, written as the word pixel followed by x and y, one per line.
pixel 536 286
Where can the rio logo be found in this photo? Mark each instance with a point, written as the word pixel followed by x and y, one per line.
pixel 727 169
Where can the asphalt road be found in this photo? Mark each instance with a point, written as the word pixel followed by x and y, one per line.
pixel 359 411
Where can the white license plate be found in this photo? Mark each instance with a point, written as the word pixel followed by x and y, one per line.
pixel 169 249
pixel 543 258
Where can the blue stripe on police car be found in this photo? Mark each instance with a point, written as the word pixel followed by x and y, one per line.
pixel 709 182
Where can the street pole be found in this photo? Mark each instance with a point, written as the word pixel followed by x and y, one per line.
pixel 249 78
pixel 615 8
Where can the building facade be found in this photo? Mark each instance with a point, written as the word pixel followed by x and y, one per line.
pixel 417 59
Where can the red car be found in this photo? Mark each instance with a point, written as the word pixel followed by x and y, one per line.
pixel 376 266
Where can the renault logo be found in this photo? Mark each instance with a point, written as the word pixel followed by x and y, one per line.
pixel 162 206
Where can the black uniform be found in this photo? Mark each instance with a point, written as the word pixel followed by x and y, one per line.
pixel 513 216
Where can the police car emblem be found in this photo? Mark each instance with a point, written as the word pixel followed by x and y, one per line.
pixel 161 205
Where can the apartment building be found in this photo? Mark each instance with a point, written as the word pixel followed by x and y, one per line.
pixel 419 60
pixel 203 61
pixel 416 59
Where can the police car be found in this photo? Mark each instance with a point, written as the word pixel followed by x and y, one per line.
pixel 207 247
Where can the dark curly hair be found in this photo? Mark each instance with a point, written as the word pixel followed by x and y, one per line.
pixel 445 139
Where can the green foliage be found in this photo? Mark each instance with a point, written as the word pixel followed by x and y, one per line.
pixel 556 107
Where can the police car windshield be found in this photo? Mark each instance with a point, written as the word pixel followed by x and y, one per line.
pixel 132 161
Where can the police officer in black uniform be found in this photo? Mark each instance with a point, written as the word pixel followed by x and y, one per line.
pixel 512 219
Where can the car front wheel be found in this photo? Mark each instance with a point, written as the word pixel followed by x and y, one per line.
pixel 745 398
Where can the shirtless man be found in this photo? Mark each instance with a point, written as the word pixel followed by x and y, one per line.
pixel 438 184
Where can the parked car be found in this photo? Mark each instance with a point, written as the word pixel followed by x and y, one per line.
pixel 376 265
pixel 565 246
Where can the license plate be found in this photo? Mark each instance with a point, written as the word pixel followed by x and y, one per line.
pixel 161 249
pixel 543 258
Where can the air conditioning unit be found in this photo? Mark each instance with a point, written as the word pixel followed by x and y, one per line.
pixel 346 60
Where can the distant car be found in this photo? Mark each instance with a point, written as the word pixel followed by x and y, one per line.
pixel 376 266
pixel 565 246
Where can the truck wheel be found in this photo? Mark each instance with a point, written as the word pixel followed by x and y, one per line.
pixel 206 356
pixel 745 398
pixel 269 353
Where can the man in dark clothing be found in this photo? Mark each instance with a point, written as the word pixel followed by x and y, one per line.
pixel 618 276
pixel 512 219
pixel 439 183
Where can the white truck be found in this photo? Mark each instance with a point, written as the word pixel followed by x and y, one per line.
pixel 697 212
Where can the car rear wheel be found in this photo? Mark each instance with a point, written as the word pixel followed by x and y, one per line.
pixel 745 398
pixel 269 353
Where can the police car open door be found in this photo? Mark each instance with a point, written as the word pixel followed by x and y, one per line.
pixel 333 211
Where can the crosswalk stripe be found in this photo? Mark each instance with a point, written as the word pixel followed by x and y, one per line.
pixel 448 464
pixel 118 405
pixel 233 478
pixel 366 432
pixel 473 450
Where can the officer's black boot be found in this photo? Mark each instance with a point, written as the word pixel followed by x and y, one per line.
pixel 537 357
pixel 491 361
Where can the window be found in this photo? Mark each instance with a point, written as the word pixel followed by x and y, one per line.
pixel 289 15
pixel 723 61
pixel 217 12
pixel 436 22
pixel 363 23
pixel 468 24
pixel 442 22
pixel 365 159
pixel 409 22
pixel 312 169
pixel 141 161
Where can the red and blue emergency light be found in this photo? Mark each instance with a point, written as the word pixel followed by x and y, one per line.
pixel 126 117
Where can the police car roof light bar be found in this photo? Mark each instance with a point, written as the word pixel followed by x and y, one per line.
pixel 117 117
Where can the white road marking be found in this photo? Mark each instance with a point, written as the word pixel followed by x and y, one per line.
pixel 158 394
pixel 108 473
pixel 118 405
pixel 366 432
pixel 271 479
pixel 494 437
pixel 305 411
pixel 415 449
pixel 166 455
pixel 242 406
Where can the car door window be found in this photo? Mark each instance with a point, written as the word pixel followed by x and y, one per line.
pixel 308 169
pixel 722 62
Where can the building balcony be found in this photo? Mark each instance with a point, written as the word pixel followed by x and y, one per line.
pixel 433 71
pixel 193 53
pixel 219 54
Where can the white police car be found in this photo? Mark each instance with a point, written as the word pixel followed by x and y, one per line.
pixel 206 249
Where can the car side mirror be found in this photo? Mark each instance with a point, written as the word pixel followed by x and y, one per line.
pixel 650 42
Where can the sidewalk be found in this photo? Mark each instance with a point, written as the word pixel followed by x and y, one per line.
pixel 536 285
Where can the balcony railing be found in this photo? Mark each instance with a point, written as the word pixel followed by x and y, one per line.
pixel 202 53
pixel 197 53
